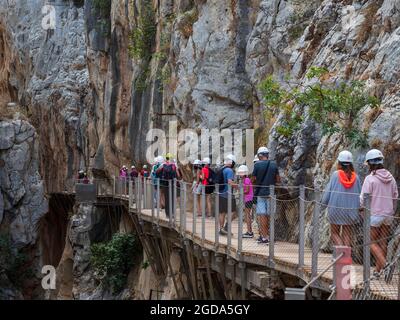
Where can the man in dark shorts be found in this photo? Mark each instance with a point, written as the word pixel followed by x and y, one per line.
pixel 265 174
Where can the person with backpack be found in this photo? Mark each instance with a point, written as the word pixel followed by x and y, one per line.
pixel 207 177
pixel 243 173
pixel 145 172
pixel 134 173
pixel 158 161
pixel 265 174
pixel 81 176
pixel 342 198
pixel 168 172
pixel 382 188
pixel 196 188
pixel 225 177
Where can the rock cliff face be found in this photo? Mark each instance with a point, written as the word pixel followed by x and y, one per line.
pixel 22 201
pixel 111 70
pixel 101 86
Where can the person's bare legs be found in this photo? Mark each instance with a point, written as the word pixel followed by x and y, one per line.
pixel 347 235
pixel 208 201
pixel 221 220
pixel 385 233
pixel 264 225
pixel 248 220
pixel 199 205
pixel 335 235
pixel 376 250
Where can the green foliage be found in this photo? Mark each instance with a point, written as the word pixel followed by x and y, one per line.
pixel 114 259
pixel 13 264
pixel 143 34
pixel 102 9
pixel 335 106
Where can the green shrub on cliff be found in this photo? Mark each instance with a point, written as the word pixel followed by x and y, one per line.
pixel 113 260
pixel 143 34
pixel 14 264
pixel 332 104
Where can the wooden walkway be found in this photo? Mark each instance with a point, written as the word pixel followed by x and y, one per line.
pixel 286 255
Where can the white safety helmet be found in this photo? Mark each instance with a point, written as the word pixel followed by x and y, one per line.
pixel 256 159
pixel 229 159
pixel 345 156
pixel 196 162
pixel 206 160
pixel 124 167
pixel 242 170
pixel 133 167
pixel 374 156
pixel 160 159
pixel 263 150
pixel 145 166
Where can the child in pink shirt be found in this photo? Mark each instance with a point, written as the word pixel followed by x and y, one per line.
pixel 243 173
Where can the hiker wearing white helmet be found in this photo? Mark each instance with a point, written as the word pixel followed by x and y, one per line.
pixel 341 192
pixel 224 177
pixel 134 173
pixel 243 173
pixel 155 180
pixel 196 187
pixel 265 174
pixel 382 188
pixel 207 177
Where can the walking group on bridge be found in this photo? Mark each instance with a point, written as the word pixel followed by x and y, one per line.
pixel 344 195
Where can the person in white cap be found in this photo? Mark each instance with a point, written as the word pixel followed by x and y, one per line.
pixel 206 178
pixel 243 173
pixel 341 196
pixel 155 179
pixel 226 177
pixel 382 188
pixel 265 174
pixel 196 188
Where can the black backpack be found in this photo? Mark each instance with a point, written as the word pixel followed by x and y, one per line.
pixel 168 173
pixel 219 178
pixel 211 180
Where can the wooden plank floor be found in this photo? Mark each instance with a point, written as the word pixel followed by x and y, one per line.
pixel 286 254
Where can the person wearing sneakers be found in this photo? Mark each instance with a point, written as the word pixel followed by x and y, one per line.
pixel 265 174
pixel 225 177
pixel 243 173
pixel 382 188
pixel 206 177
pixel 342 198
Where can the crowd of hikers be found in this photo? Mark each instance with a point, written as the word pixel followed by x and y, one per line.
pixel 344 195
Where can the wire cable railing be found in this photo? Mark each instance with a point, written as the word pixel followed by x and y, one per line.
pixel 300 230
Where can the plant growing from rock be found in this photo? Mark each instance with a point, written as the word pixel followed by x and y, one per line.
pixel 335 106
pixel 113 260
pixel 13 263
pixel 143 34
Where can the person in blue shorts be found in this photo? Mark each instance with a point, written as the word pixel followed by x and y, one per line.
pixel 265 174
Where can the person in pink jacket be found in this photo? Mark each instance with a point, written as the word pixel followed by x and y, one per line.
pixel 382 187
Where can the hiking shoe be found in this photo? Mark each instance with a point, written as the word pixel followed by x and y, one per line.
pixel 248 235
pixel 259 239
pixel 223 232
pixel 263 241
